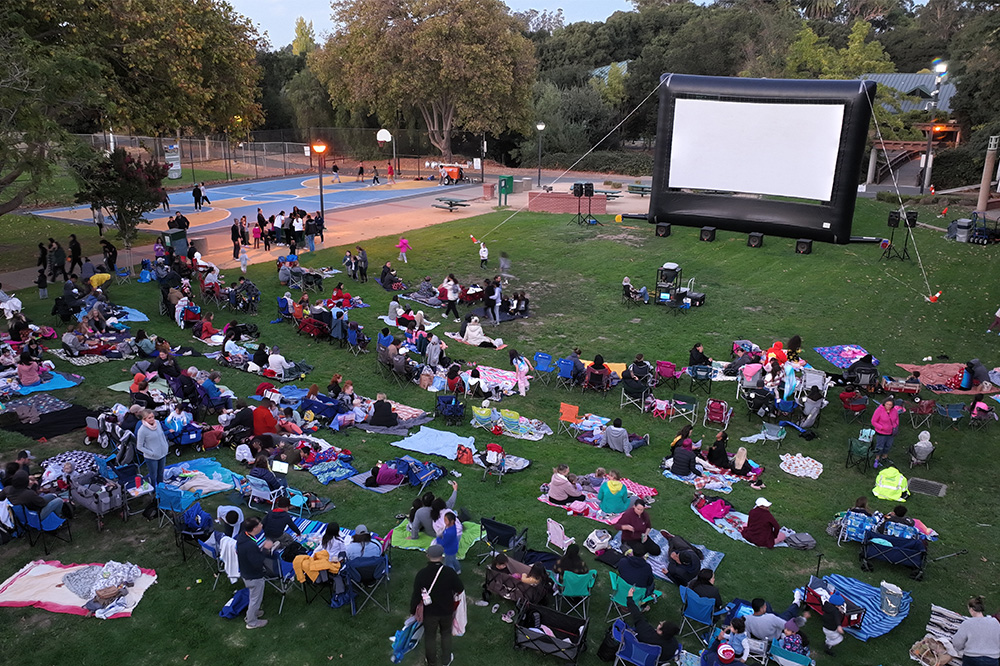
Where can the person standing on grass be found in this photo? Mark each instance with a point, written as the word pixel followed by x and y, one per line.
pixel 403 246
pixel 110 253
pixel 885 421
pixel 484 255
pixel 362 263
pixel 98 219
pixel 196 195
pixel 978 638
pixel 436 586
pixel 996 322
pixel 151 442
pixel 251 561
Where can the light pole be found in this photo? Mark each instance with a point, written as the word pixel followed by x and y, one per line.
pixel 540 126
pixel 940 69
pixel 320 148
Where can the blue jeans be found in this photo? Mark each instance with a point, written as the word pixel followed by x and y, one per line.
pixel 979 661
pixel 154 469
pixel 644 295
pixel 55 503
pixel 883 443
pixel 452 561
pixel 311 243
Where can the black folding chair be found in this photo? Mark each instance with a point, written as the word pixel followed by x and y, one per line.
pixel 701 378
pixel 366 576
pixel 500 538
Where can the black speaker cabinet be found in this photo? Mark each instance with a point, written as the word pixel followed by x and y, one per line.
pixel 893 219
pixel 911 218
pixel 588 189
pixel 755 239
pixel 707 234
pixel 803 246
pixel 577 189
pixel 663 229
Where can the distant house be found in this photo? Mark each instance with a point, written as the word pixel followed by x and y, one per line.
pixel 919 86
pixel 602 72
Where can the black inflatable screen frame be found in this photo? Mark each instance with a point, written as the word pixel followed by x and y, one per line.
pixel 826 221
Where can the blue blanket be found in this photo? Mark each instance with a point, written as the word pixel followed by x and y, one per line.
pixel 209 467
pixel 60 380
pixel 334 470
pixel 843 355
pixel 875 623
pixel 436 443
pixel 291 394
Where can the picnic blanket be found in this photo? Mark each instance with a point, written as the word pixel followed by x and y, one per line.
pixel 843 355
pixel 458 338
pixel 588 507
pixel 617 368
pixel 213 477
pixel 511 463
pixel 436 442
pixel 733 523
pixel 42 402
pixel 332 470
pixel 131 314
pixel 506 380
pixel 359 480
pixel 79 361
pixel 401 429
pixel 710 559
pixel 935 376
pixel 941 626
pixel 40 584
pixel 875 623
pixel 60 380
pixel 471 533
pixel 485 314
pixel 158 384
pixel 388 287
pixel 432 302
pixel 800 465
pixel 428 325
pixel 720 483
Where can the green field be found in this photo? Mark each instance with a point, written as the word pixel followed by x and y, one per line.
pixel 837 295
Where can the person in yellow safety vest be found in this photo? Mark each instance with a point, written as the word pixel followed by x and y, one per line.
pixel 891 485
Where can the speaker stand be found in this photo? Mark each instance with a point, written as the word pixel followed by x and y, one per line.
pixel 578 218
pixel 590 218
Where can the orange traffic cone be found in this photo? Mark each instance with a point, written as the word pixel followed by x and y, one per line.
pixel 944 212
pixel 932 189
pixel 935 297
pixel 473 238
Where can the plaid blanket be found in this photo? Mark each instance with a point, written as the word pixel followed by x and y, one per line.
pixel 732 525
pixel 458 338
pixel 89 359
pixel 588 508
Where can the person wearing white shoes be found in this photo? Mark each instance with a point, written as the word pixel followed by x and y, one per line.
pixel 251 559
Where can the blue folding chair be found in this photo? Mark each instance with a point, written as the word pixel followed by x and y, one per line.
pixel 698 615
pixel 544 368
pixel 636 653
pixel 366 575
pixel 29 522
pixel 280 575
pixel 565 377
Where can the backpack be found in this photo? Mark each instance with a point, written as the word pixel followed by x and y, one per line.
pixel 801 541
pixel 598 540
pixel 464 455
pixel 197 328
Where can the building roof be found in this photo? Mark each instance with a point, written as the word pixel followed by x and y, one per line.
pixel 916 85
pixel 602 72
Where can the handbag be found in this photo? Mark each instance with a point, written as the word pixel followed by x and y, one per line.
pixel 425 597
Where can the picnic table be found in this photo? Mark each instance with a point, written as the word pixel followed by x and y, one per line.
pixel 451 205
pixel 641 190
pixel 610 194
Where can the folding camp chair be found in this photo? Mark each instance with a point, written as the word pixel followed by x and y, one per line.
pixel 172 503
pixel 661 409
pixel 574 591
pixel 482 417
pixel 813 377
pixel 684 407
pixel 628 298
pixel 259 491
pixel 451 409
pixel 784 657
pixel 917 460
pixel 123 275
pixel 701 378
pixel 283 311
pixel 28 521
pixel 855 408
pixel 569 416
pixel 619 598
pixel 299 503
pixel 772 432
pixel 950 414
pixel 494 461
pixel 634 652
pixel 556 536
pixel 211 550
pixel 354 343
pixel 867 379
pixel 597 381
pixel 859 454
pixel 634 398
pixel 565 376
pixel 921 412
pixel 545 369
pixel 668 374
pixel 981 420
pixel 511 422
pixel 367 575
pixel 717 412
pixel 500 538
pixel 853 527
pixel 191 532
pixel 295 280
pixel 698 615
pixel 280 575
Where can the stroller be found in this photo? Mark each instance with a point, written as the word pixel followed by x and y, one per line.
pixel 494 460
pixel 894 550
pixel 451 409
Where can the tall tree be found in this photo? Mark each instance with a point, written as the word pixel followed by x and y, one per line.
pixel 541 21
pixel 305 37
pixel 975 53
pixel 126 186
pixel 461 65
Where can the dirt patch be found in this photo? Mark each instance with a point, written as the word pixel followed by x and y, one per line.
pixel 38 622
pixel 624 238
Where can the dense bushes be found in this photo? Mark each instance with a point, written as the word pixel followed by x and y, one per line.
pixel 629 163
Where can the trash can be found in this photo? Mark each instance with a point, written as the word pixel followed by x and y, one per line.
pixel 963 228
pixel 892 597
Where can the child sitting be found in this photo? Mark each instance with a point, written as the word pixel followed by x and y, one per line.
pixel 178 419
pixel 595 480
pixel 290 421
pixel 792 640
pixel 735 635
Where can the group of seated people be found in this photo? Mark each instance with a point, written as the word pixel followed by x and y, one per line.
pixel 688 458
pixel 45 493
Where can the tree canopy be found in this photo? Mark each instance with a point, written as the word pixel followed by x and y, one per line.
pixel 461 65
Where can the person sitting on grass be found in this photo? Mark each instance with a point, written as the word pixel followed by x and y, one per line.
pixel 474 335
pixel 28 373
pixel 685 460
pixel 613 496
pixel 561 490
pixel 663 635
pixel 762 529
pixel 635 527
pixel 764 624
pixel 717 454
pixel 619 439
pixel 383 415
pixel 741 467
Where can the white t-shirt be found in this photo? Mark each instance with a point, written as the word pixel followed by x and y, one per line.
pixel 277 363
pixel 484 252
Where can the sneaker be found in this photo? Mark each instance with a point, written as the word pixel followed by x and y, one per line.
pixel 257 625
pixel 797 596
pixel 646 437
pixel 458 321
pixel 495 608
pixel 508 617
pixel 875 464
pixel 451 658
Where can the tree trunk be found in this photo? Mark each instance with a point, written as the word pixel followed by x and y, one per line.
pixel 439 118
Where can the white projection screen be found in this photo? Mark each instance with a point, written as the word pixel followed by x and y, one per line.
pixel 778 149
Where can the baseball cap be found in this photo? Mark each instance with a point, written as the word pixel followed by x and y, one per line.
pixel 25 454
pixel 762 501
pixel 435 553
pixel 836 599
pixel 361 529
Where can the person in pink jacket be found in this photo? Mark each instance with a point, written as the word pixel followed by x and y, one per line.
pixel 561 489
pixel 885 421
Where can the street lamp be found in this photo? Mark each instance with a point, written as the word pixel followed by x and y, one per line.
pixel 320 148
pixel 940 70
pixel 540 126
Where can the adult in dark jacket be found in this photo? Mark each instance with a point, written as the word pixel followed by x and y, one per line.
pixel 57 259
pixel 278 520
pixel 636 571
pixel 236 236
pixel 110 253
pixel 441 584
pixel 664 634
pixel 362 256
pixel 382 414
pixel 20 494
pixel 251 561
pixel 684 460
pixel 243 416
pixel 717 454
pixel 697 355
pixel 685 562
pixel 75 253
pixel 762 529
pixel 704 586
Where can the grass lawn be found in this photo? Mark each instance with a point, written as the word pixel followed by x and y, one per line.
pixel 837 295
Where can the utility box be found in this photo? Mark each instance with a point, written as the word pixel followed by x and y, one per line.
pixel 506 188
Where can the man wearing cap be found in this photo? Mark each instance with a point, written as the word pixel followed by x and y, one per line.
pixel 761 528
pixel 833 620
pixel 438 585
pixel 635 525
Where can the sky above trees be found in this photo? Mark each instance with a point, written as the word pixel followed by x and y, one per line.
pixel 277 17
